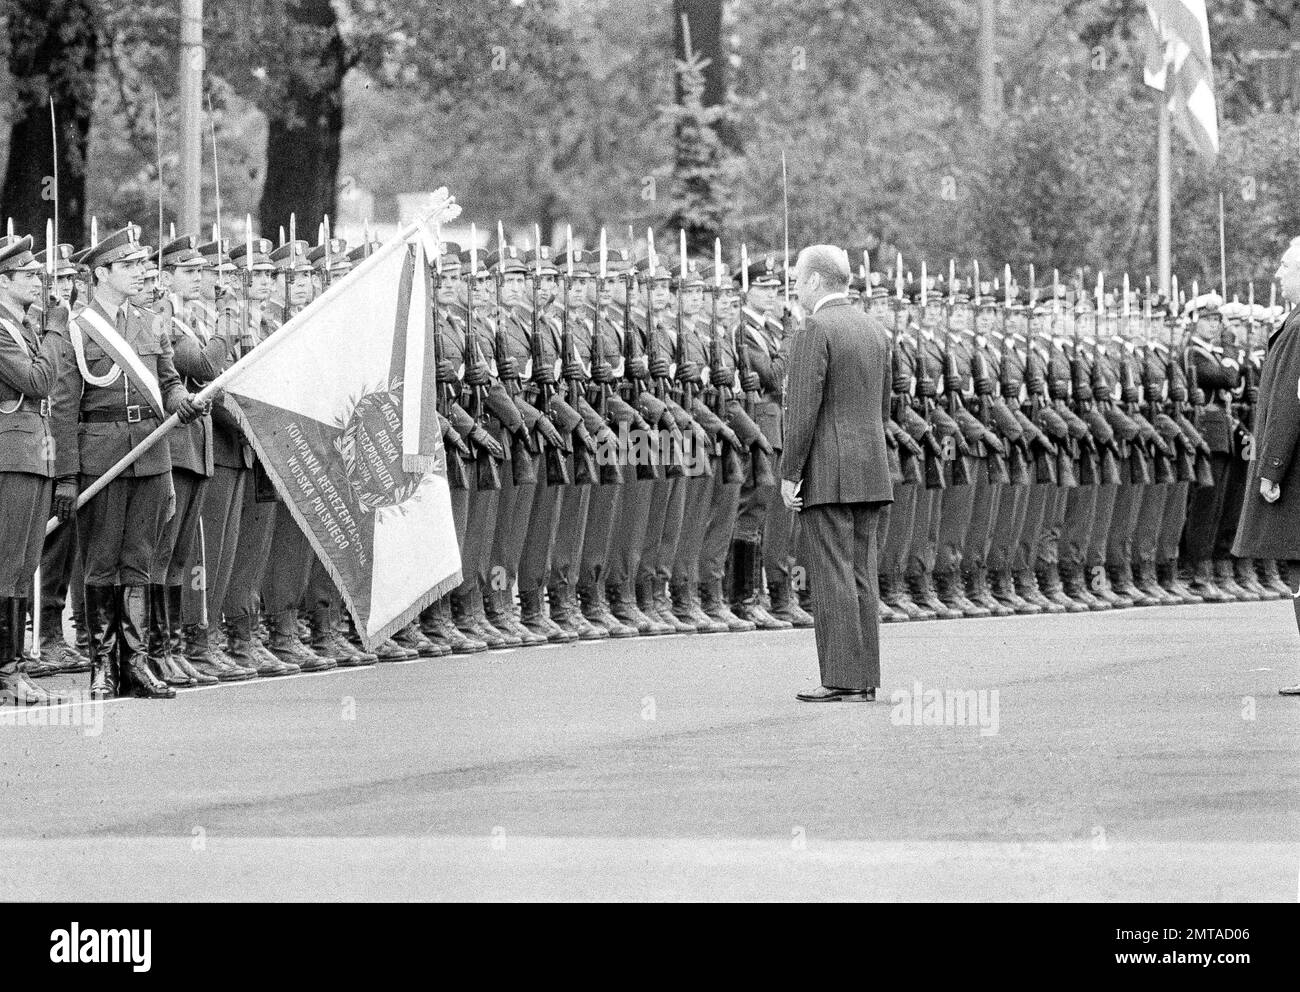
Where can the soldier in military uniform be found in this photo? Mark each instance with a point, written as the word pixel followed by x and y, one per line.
pixel 608 598
pixel 627 592
pixel 763 333
pixel 1213 377
pixel 198 360
pixel 33 357
pixel 574 369
pixel 257 523
pixel 126 384
pixel 466 439
pixel 702 460
pixel 61 569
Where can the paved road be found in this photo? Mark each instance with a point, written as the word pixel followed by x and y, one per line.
pixel 1135 755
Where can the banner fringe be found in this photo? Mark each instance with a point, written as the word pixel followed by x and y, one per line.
pixel 419 464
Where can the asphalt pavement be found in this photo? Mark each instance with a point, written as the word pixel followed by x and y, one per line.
pixel 1136 755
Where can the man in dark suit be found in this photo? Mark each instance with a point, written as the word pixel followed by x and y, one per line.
pixel 1270 514
pixel 836 472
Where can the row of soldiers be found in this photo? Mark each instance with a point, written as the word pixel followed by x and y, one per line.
pixel 1049 456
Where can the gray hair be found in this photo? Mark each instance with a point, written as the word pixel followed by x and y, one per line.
pixel 829 262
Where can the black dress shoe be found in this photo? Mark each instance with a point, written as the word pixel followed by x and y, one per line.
pixel 824 695
pixel 1289 690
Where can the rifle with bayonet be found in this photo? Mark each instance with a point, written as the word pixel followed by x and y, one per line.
pixel 760 465
pixel 585 470
pixel 730 456
pixel 634 384
pixel 522 446
pixel 456 477
pixel 487 476
pixel 556 461
pixel 953 400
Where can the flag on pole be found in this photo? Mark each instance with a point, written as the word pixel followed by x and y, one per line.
pixel 338 405
pixel 1178 64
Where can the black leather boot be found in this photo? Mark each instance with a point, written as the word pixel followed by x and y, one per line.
pixel 103 604
pixel 136 615
pixel 15 687
pixel 160 660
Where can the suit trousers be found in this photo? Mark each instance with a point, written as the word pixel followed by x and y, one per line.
pixel 1204 511
pixel 180 536
pixel 252 553
pixel 221 513
pixel 25 500
pixel 716 542
pixel 838 546
pixel 122 526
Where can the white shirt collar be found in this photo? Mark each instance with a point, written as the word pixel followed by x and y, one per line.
pixel 827 298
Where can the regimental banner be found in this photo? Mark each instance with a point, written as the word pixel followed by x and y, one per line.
pixel 338 406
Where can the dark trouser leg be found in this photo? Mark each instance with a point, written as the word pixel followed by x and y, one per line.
pixel 629 532
pixel 902 519
pixel 1234 493
pixel 1171 525
pixel 252 552
pixel 1080 515
pixel 723 508
pixel 661 496
pixel 839 543
pixel 289 566
pixel 1204 509
pixel 603 509
pixel 221 513
pixel 777 531
pixel 533 553
pixel 571 534
pixel 57 558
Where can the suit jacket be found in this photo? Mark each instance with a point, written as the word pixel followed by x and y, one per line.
pixel 1272 530
pixel 837 401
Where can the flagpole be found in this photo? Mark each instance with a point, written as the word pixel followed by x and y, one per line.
pixel 1163 261
pixel 1223 253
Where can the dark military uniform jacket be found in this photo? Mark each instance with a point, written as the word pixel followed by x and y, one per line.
pixel 766 349
pixel 30 371
pixel 198 361
pixel 229 449
pixel 112 419
pixel 1216 377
